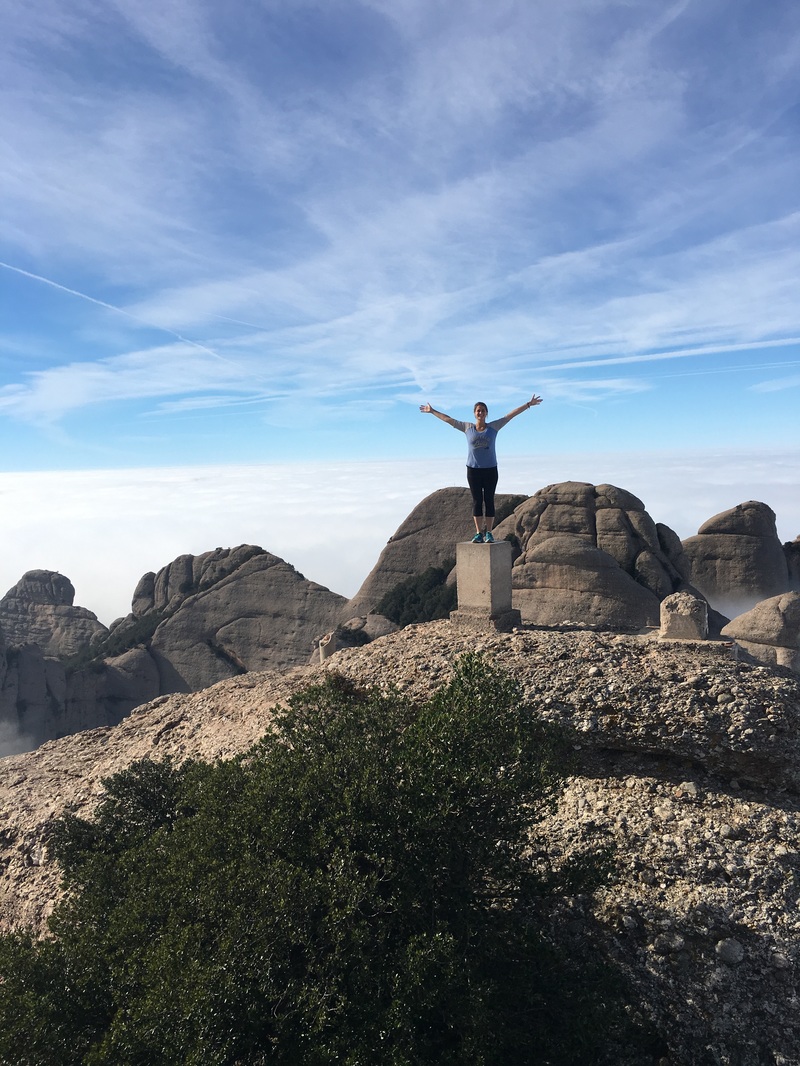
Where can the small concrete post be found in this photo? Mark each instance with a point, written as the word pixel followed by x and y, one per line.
pixel 483 573
pixel 683 617
pixel 327 646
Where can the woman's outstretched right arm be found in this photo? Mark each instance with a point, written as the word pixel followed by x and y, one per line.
pixel 428 410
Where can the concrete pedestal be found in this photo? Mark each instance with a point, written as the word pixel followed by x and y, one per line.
pixel 483 573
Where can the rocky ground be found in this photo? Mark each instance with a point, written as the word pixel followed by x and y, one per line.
pixel 686 761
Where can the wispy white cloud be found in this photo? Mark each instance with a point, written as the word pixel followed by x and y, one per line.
pixel 777 384
pixel 576 391
pixel 50 394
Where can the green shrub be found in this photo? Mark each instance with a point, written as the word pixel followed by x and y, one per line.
pixel 358 889
pixel 421 598
pixel 505 507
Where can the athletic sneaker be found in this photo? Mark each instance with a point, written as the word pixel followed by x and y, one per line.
pixel 478 538
pixel 488 538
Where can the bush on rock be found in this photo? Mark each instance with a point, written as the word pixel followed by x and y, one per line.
pixel 358 889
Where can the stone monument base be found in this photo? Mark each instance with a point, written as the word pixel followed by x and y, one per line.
pixel 480 619
pixel 483 578
pixel 684 617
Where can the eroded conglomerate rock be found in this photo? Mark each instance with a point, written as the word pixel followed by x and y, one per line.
pixel 698 916
pixel 198 620
pixel 166 590
pixel 41 700
pixel 591 554
pixel 103 693
pixel 737 559
pixel 687 762
pixel 39 610
pixel 40 627
pixel 770 632
pixel 32 695
pixel 427 538
pixel 235 610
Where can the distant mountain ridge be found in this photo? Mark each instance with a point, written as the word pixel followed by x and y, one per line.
pixel 582 552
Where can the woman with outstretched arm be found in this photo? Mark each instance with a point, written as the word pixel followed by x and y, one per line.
pixel 481 460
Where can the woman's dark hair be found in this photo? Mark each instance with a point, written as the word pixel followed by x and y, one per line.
pixel 482 405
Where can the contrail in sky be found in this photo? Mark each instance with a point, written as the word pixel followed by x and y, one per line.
pixel 673 353
pixel 117 310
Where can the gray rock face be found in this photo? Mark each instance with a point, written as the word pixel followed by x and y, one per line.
pixel 44 587
pixel 187 575
pixel 199 620
pixel 566 579
pixel 40 701
pixel 32 694
pixel 40 626
pixel 103 694
pixel 770 632
pixel 792 553
pixel 235 610
pixel 591 554
pixel 736 558
pixel 39 610
pixel 427 538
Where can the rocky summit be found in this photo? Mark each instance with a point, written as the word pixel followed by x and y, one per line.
pixel 427 538
pixel 687 762
pixel 40 610
pixel 736 558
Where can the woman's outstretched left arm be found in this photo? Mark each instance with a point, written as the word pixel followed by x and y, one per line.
pixel 534 401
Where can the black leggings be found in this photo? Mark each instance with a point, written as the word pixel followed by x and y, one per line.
pixel 482 483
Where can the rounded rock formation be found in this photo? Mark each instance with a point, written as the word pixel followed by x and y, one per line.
pixel 770 632
pixel 427 538
pixel 590 553
pixel 736 558
pixel 39 610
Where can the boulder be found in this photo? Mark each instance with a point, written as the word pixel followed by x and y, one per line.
pixel 361 630
pixel 736 558
pixel 770 632
pixel 684 617
pixel 672 547
pixel 39 610
pixel 354 633
pixel 591 553
pixel 564 578
pixel 427 538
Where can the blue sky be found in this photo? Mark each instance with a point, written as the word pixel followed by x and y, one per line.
pixel 264 232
